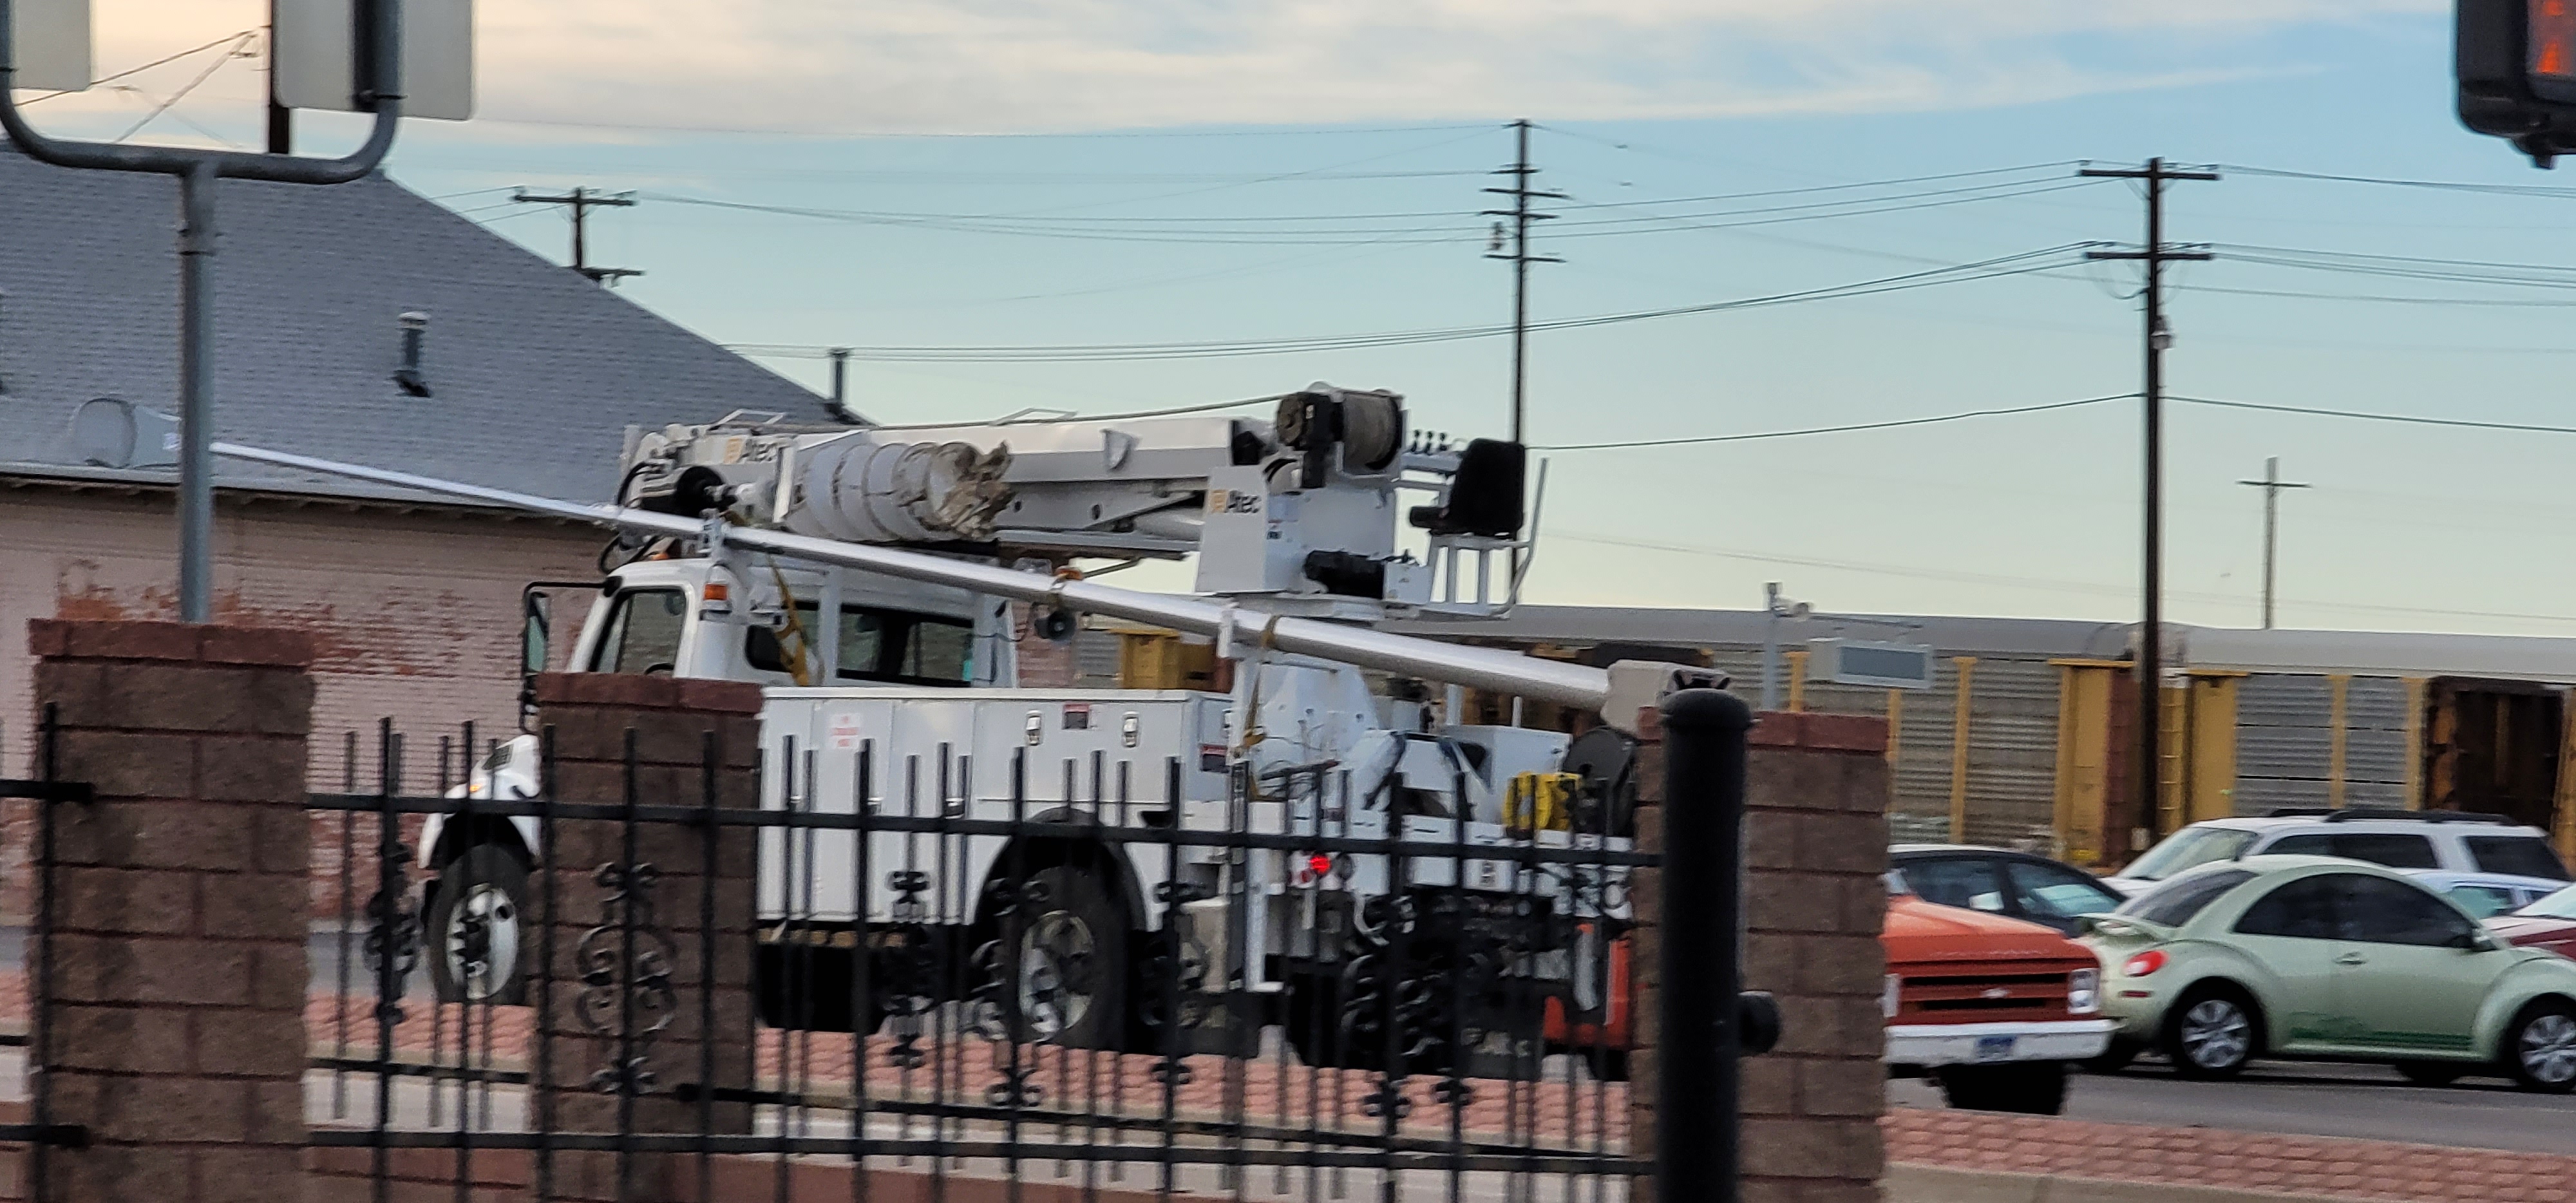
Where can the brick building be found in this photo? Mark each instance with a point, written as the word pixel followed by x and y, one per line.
pixel 532 376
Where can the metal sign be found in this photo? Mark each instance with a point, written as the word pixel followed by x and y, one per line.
pixel 1866 662
pixel 52 51
pixel 318 52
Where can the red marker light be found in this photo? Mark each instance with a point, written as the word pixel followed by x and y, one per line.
pixel 2143 964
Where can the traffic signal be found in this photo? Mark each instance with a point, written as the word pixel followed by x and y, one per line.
pixel 2516 64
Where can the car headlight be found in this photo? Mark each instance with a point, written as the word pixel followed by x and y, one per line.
pixel 1890 994
pixel 2084 992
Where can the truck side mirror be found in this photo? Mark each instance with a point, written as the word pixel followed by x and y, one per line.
pixel 536 624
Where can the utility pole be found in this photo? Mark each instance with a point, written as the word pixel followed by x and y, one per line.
pixel 2271 484
pixel 1520 258
pixel 2155 253
pixel 281 119
pixel 582 201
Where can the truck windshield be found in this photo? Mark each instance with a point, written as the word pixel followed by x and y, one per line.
pixel 643 633
pixel 2189 848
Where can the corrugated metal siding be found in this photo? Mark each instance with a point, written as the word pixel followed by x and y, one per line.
pixel 2012 753
pixel 2374 742
pixel 2285 742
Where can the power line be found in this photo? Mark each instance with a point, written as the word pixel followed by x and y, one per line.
pixel 2045 583
pixel 1816 188
pixel 1999 267
pixel 182 93
pixel 2368 416
pixel 996 136
pixel 1893 424
pixel 2533 190
pixel 158 62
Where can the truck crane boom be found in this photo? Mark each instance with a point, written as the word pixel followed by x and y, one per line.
pixel 1617 693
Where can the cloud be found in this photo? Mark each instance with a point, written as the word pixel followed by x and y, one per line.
pixel 1005 65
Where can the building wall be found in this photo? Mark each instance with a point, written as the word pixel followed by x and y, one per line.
pixel 414 615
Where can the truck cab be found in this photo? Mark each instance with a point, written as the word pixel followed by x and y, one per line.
pixel 702 618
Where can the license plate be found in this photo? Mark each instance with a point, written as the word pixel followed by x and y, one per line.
pixel 1995 1048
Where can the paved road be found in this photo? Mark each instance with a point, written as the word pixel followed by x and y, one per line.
pixel 2366 1101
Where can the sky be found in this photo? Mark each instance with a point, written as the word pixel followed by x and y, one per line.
pixel 1171 185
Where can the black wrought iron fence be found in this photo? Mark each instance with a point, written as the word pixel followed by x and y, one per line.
pixel 1066 971
pixel 43 792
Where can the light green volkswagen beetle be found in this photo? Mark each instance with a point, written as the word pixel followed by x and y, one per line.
pixel 2316 957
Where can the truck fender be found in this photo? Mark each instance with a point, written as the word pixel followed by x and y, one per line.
pixel 1072 848
pixel 441 841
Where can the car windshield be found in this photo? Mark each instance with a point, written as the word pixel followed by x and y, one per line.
pixel 2189 848
pixel 2561 905
pixel 2175 902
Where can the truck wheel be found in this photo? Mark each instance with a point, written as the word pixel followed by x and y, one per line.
pixel 475 932
pixel 2211 1033
pixel 1312 1015
pixel 2540 1047
pixel 1070 963
pixel 2023 1088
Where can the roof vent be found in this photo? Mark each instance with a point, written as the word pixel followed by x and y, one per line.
pixel 415 327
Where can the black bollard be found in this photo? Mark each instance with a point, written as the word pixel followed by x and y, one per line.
pixel 1697 1106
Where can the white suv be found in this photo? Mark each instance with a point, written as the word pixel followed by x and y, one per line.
pixel 2449 840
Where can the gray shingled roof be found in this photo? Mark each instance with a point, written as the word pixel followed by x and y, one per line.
pixel 535 372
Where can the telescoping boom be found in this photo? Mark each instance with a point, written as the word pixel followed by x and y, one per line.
pixel 1616 693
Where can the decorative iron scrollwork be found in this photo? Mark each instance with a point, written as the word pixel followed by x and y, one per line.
pixel 907 973
pixel 626 1002
pixel 393 928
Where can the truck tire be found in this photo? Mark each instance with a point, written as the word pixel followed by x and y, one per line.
pixel 475 935
pixel 1069 962
pixel 2022 1088
pixel 2539 1047
pixel 2212 1032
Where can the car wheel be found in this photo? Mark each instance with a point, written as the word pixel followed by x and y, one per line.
pixel 2540 1047
pixel 2115 1056
pixel 2026 1088
pixel 2211 1033
pixel 475 933
pixel 2431 1073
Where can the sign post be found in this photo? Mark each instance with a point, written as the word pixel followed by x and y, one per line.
pixel 58 56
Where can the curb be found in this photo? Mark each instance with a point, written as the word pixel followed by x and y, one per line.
pixel 1937 1184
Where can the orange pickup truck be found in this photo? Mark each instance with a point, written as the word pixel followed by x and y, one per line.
pixel 1992 1009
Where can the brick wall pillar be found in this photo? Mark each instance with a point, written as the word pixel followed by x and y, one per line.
pixel 179 930
pixel 590 715
pixel 1816 793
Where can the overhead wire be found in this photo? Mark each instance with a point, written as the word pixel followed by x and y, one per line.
pixel 1847 428
pixel 164 60
pixel 237 41
pixel 2007 265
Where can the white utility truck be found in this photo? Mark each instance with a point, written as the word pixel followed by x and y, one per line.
pixel 868 577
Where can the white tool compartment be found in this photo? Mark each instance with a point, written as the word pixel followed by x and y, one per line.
pixel 1086 756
